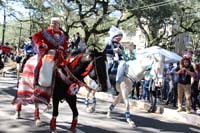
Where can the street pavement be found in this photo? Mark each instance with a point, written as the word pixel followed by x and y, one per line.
pixel 96 122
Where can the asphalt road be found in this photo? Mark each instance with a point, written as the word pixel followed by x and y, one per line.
pixel 88 122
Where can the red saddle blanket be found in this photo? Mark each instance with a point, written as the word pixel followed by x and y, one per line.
pixel 27 93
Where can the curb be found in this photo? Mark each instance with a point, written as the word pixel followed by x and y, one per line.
pixel 133 103
pixel 191 119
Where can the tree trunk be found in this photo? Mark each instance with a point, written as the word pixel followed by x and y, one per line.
pixel 144 31
pixel 87 36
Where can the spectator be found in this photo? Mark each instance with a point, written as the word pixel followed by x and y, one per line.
pixel 146 85
pixel 77 39
pixel 72 41
pixel 194 88
pixel 166 87
pixel 175 86
pixel 82 45
pixel 186 72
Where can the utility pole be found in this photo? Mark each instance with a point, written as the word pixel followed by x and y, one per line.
pixel 20 33
pixel 4 26
pixel 30 30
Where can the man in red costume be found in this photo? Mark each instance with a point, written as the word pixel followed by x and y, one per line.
pixel 47 39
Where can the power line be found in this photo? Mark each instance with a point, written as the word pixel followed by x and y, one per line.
pixel 159 4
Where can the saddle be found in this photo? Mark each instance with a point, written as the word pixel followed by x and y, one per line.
pixel 47 69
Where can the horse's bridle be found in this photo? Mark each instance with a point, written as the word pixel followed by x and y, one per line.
pixel 75 79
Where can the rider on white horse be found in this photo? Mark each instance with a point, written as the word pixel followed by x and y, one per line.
pixel 114 51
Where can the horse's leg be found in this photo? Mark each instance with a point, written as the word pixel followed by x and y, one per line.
pixel 54 114
pixel 92 108
pixel 18 110
pixel 71 100
pixel 125 90
pixel 153 102
pixel 18 70
pixel 37 115
pixel 153 99
pixel 116 101
pixel 86 101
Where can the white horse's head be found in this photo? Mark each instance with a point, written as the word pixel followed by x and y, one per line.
pixel 157 68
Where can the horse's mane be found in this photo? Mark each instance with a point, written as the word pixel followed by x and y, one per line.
pixel 93 63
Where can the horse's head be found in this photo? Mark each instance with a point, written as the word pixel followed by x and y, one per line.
pixel 99 72
pixel 158 67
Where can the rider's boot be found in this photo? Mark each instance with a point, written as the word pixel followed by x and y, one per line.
pixel 37 70
pixel 110 110
pixel 73 125
pixel 128 119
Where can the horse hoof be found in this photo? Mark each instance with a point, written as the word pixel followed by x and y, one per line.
pixel 53 131
pixel 109 115
pixel 38 123
pixel 131 123
pixel 17 115
pixel 90 109
pixel 48 108
pixel 71 131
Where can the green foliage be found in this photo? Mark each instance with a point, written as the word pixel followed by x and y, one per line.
pixel 95 42
pixel 151 15
pixel 94 18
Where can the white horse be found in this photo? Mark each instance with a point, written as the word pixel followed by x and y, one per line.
pixel 135 71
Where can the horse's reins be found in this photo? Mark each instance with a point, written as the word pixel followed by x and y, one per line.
pixel 79 82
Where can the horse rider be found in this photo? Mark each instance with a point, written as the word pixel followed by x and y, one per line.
pixel 51 38
pixel 28 52
pixel 114 51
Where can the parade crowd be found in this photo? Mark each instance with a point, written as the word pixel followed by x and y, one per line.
pixel 178 89
pixel 181 79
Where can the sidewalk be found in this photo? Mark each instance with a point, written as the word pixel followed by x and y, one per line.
pixel 191 119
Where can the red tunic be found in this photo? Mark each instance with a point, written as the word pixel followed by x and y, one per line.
pixel 52 38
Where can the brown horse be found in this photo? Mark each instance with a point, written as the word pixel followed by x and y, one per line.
pixel 93 63
pixel 68 79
